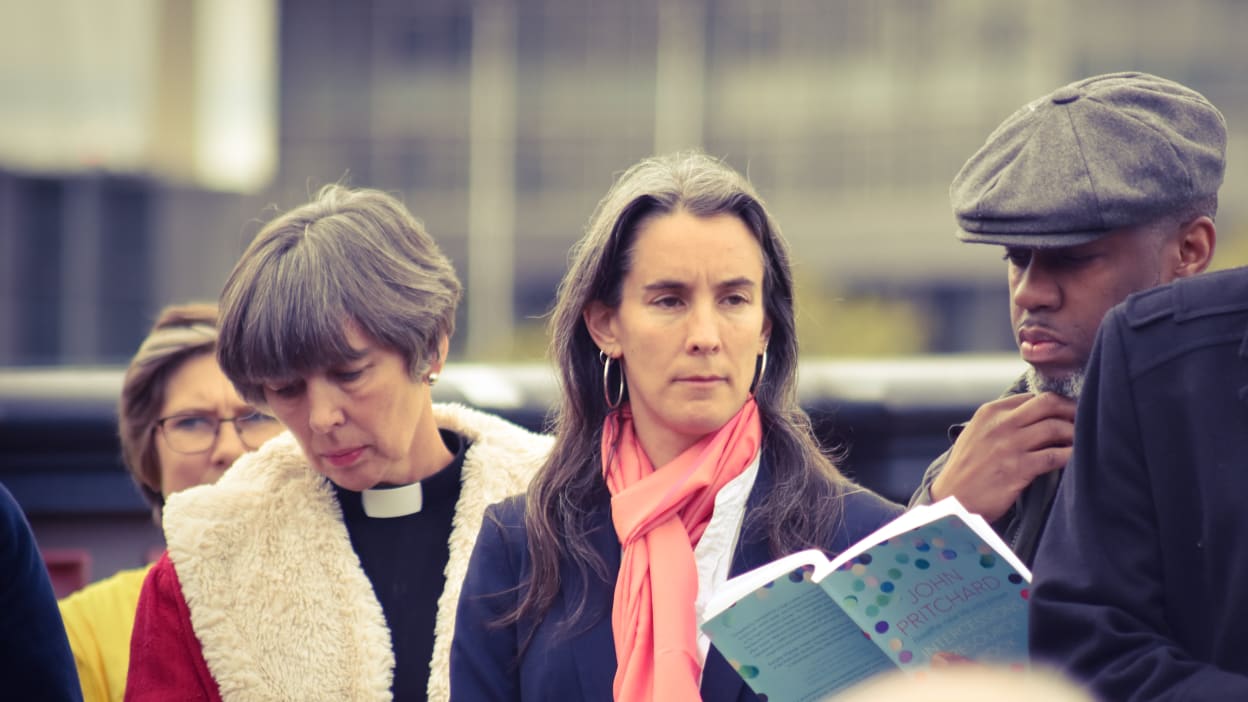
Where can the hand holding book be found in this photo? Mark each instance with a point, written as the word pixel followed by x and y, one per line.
pixel 937 579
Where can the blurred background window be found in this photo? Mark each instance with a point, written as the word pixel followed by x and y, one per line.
pixel 144 142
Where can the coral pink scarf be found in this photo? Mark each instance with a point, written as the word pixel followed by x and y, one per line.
pixel 659 516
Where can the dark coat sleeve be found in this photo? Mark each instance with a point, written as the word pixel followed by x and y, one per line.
pixel 166 661
pixel 484 652
pixel 1117 589
pixel 923 494
pixel 35 660
pixel 864 511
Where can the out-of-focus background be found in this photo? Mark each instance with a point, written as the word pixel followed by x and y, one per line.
pixel 144 142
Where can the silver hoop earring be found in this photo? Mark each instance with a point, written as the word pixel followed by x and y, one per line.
pixel 606 382
pixel 762 368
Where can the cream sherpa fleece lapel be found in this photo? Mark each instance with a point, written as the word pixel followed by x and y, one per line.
pixel 277 597
pixel 502 460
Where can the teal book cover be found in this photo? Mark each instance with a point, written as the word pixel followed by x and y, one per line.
pixel 936 579
pixel 789 640
pixel 937 588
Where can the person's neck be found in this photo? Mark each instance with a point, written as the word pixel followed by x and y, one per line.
pixel 662 447
pixel 428 454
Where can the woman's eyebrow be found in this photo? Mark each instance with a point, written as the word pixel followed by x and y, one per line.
pixel 738 282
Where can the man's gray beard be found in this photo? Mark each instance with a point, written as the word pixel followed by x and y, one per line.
pixel 1066 386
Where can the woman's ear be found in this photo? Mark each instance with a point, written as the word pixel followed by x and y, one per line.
pixel 444 347
pixel 600 321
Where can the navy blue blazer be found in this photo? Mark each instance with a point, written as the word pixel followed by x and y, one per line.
pixel 35 660
pixel 579 664
pixel 1141 573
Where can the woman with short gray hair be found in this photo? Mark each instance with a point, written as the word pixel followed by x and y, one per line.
pixel 354 255
pixel 328 566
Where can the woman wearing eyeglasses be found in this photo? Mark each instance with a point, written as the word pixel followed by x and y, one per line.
pixel 181 424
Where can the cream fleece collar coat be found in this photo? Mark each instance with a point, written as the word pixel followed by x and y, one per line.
pixel 278 600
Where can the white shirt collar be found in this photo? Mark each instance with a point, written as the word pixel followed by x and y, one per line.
pixel 714 552
pixel 386 503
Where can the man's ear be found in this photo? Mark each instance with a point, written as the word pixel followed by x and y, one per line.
pixel 1197 239
pixel 600 321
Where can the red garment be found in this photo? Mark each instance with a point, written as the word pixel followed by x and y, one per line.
pixel 659 516
pixel 166 661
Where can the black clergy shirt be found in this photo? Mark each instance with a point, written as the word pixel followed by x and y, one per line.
pixel 405 560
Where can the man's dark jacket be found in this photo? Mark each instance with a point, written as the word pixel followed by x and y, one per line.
pixel 1141 583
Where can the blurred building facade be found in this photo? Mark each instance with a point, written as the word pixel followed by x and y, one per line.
pixel 502 122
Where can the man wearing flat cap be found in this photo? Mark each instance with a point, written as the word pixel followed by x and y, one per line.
pixel 1105 187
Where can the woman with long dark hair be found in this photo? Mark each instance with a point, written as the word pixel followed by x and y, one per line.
pixel 681 455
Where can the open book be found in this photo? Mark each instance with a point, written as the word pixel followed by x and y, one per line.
pixel 936 579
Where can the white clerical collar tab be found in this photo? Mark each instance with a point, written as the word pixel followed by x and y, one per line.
pixel 384 503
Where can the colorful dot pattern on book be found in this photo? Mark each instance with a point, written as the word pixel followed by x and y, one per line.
pixel 923 561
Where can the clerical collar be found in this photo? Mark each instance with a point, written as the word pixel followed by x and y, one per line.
pixel 384 503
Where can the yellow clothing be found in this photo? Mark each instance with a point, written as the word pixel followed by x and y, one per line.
pixel 98 620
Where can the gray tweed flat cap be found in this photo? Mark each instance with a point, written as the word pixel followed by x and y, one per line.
pixel 1100 154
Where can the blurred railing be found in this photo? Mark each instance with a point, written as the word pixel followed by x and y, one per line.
pixel 59 454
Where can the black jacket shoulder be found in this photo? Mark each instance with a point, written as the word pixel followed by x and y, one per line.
pixel 1188 299
pixel 1172 321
